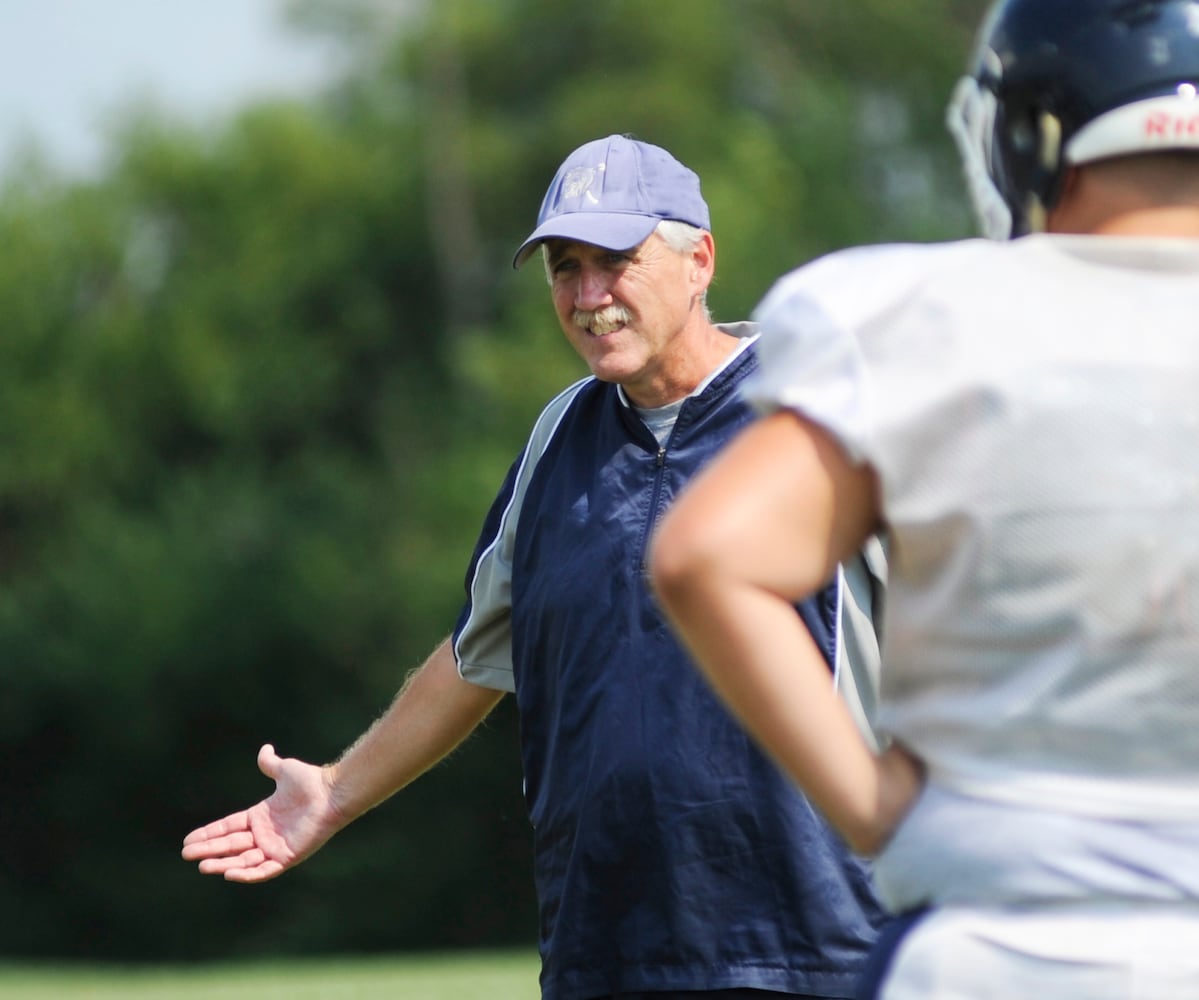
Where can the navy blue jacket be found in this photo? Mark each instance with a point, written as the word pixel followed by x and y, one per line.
pixel 669 853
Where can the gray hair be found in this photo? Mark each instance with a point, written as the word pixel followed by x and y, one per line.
pixel 681 237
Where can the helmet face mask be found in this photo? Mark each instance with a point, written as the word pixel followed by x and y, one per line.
pixel 971 122
pixel 1057 83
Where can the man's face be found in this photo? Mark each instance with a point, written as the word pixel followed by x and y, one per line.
pixel 621 311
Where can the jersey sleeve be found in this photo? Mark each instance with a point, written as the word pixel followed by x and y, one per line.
pixel 482 638
pixel 809 358
pixel 826 334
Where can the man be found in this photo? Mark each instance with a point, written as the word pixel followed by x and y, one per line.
pixel 671 859
pixel 1023 418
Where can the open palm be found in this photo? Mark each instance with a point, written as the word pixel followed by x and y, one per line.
pixel 258 843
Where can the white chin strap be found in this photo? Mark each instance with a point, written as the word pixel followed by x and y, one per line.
pixel 1154 125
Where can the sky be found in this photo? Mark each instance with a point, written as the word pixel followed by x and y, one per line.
pixel 68 66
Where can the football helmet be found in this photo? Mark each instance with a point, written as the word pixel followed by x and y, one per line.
pixel 1056 83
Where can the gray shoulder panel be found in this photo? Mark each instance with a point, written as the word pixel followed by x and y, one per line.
pixel 483 646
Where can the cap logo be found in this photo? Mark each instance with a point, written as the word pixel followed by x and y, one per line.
pixel 578 182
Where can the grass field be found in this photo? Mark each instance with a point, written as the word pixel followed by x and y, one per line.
pixel 452 976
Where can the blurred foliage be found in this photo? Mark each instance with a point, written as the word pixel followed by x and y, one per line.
pixel 261 382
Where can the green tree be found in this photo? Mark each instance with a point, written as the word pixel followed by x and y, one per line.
pixel 259 384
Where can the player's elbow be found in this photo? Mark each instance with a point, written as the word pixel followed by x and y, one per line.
pixel 679 561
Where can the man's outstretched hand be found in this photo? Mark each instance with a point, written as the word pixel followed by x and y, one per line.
pixel 278 833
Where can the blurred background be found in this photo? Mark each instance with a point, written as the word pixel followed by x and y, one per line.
pixel 264 363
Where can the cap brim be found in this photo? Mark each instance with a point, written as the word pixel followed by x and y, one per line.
pixel 610 230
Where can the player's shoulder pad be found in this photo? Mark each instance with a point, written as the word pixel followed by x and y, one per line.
pixel 850 286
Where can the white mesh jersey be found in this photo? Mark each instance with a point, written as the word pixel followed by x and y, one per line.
pixel 1032 411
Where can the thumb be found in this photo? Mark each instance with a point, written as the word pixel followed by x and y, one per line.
pixel 269 762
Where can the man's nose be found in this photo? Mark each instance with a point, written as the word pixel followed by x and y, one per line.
pixel 594 290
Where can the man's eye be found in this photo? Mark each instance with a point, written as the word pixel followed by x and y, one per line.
pixel 616 259
pixel 563 266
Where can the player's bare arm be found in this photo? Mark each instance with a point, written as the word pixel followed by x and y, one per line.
pixel 728 563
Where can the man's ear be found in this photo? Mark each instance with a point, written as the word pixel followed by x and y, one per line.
pixel 703 259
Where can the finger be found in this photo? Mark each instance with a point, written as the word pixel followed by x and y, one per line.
pixel 258 873
pixel 219 866
pixel 231 846
pixel 233 823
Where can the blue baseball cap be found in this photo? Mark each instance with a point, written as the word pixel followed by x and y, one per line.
pixel 612 193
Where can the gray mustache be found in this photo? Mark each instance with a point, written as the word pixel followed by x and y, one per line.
pixel 601 320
